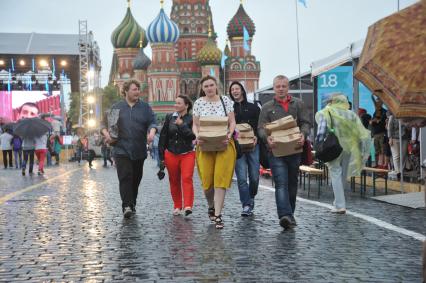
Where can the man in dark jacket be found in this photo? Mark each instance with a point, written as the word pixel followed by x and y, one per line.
pixel 135 120
pixel 284 169
pixel 246 112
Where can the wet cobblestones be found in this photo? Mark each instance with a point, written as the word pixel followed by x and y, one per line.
pixel 71 229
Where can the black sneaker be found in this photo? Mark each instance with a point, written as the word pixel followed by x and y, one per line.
pixel 285 222
pixel 23 172
pixel 127 212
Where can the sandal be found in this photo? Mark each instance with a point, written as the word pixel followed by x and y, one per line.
pixel 211 213
pixel 218 222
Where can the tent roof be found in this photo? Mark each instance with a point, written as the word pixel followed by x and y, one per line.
pixel 352 51
pixel 39 44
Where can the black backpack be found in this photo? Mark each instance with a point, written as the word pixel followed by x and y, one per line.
pixel 328 148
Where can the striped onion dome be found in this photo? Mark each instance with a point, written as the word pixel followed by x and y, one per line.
pixel 236 24
pixel 162 29
pixel 128 33
pixel 141 61
pixel 210 54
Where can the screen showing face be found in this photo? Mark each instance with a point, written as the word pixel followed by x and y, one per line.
pixel 13 104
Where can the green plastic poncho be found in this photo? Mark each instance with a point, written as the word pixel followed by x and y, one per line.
pixel 354 138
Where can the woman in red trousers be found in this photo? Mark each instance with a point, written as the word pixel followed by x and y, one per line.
pixel 176 150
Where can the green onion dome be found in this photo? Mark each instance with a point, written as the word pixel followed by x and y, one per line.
pixel 128 33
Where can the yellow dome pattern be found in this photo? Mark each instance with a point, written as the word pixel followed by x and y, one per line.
pixel 210 54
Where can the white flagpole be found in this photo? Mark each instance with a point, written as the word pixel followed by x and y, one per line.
pixel 298 49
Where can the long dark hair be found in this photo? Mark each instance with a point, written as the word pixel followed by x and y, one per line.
pixel 187 101
pixel 203 79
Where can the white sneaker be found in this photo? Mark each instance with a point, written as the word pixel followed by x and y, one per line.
pixel 176 211
pixel 338 210
pixel 127 212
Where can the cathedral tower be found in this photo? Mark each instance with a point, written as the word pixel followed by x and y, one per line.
pixel 242 65
pixel 192 18
pixel 163 73
pixel 126 40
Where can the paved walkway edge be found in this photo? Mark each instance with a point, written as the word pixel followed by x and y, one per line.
pixel 367 218
pixel 32 187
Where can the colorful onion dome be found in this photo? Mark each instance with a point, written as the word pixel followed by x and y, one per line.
pixel 162 29
pixel 128 33
pixel 141 61
pixel 210 54
pixel 240 20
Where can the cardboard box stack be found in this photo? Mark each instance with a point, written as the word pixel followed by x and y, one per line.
pixel 245 137
pixel 286 134
pixel 213 131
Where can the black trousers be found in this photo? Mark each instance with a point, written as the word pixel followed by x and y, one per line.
pixel 5 154
pixel 28 154
pixel 129 176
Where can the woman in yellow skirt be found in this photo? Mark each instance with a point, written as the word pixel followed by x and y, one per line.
pixel 215 168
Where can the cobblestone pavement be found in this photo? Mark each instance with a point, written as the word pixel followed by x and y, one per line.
pixel 68 226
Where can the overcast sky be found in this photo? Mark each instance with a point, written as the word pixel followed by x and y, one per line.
pixel 325 26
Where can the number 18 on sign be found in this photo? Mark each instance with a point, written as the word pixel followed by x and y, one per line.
pixel 339 79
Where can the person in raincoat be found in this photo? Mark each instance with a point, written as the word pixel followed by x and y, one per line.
pixel 355 140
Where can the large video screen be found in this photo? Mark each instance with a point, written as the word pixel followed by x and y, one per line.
pixel 11 102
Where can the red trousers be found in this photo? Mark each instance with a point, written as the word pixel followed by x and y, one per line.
pixel 41 156
pixel 180 168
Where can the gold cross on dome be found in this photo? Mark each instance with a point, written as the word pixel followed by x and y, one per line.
pixel 128 3
pixel 162 3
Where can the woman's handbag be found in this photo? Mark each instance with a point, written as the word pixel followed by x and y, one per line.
pixel 237 144
pixel 329 147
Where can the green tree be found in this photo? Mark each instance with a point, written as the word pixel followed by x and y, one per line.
pixel 110 95
pixel 74 111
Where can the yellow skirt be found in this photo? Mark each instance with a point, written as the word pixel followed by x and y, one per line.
pixel 216 168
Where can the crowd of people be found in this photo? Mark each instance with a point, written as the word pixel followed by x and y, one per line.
pixel 389 151
pixel 25 149
pixel 179 148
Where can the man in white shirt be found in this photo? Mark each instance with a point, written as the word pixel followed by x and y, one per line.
pixel 6 147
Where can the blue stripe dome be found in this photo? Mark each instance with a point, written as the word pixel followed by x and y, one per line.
pixel 162 30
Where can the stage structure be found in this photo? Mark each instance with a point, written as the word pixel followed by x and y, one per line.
pixel 45 69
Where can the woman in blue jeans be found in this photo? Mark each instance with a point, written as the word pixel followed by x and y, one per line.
pixel 248 164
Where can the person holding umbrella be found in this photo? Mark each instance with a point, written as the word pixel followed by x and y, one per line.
pixel 29 127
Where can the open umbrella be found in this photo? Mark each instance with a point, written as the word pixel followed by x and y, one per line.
pixel 393 61
pixel 31 127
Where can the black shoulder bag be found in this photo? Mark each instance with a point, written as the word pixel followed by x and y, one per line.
pixel 328 148
pixel 237 144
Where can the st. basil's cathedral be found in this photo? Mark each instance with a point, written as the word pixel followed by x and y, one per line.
pixel 184 49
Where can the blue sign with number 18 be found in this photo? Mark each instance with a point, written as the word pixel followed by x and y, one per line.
pixel 339 79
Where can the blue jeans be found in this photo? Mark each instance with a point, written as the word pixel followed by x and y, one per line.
pixel 248 163
pixel 48 158
pixel 17 154
pixel 285 171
